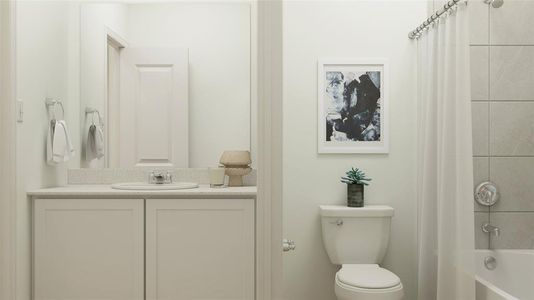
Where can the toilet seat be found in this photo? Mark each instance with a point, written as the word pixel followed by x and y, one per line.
pixel 370 276
pixel 367 282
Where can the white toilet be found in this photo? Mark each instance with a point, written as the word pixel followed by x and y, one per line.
pixel 357 239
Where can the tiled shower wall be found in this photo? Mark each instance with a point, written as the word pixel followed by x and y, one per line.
pixel 502 62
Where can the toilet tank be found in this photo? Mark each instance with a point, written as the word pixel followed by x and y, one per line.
pixel 356 235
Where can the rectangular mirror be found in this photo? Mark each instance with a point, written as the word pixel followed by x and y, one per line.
pixel 169 84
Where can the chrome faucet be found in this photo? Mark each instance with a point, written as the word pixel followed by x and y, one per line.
pixel 158 177
pixel 488 228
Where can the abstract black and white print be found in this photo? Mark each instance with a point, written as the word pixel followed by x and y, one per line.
pixel 352 105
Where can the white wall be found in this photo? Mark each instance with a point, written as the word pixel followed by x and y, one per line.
pixel 218 35
pixel 47 66
pixel 95 21
pixel 8 192
pixel 315 29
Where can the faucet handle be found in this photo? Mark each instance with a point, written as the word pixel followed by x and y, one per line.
pixel 169 177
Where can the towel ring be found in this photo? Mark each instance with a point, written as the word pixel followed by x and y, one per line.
pixel 50 102
pixel 94 111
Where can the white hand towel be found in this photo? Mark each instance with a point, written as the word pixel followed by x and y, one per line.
pixel 49 142
pixel 70 148
pixel 99 142
pixel 95 143
pixel 62 148
pixel 90 145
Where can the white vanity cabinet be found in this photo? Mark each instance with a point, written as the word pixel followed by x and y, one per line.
pixel 114 245
pixel 200 249
pixel 88 249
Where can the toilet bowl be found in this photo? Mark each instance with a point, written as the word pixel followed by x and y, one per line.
pixel 357 240
pixel 367 282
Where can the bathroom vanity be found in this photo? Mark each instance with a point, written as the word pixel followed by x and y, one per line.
pixel 95 242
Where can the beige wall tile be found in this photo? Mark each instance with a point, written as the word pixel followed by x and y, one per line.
pixel 512 128
pixel 512 72
pixel 513 23
pixel 480 112
pixel 481 238
pixel 481 174
pixel 479 73
pixel 514 177
pixel 481 169
pixel 509 77
pixel 516 230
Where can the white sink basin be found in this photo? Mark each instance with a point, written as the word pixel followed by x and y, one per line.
pixel 150 186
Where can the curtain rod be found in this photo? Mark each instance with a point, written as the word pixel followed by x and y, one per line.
pixel 414 34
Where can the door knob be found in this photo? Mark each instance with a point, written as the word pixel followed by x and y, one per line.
pixel 288 245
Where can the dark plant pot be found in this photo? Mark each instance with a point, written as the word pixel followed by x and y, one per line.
pixel 355 195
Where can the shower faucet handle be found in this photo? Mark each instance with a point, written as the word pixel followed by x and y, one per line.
pixel 486 194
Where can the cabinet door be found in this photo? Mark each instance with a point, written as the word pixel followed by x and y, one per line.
pixel 200 249
pixel 88 249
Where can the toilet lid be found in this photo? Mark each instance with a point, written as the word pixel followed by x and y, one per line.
pixel 367 276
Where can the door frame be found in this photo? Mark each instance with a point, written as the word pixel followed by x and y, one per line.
pixel 8 131
pixel 269 140
pixel 112 108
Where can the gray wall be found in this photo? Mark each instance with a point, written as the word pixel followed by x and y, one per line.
pixel 502 61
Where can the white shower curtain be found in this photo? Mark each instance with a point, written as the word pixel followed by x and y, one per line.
pixel 445 174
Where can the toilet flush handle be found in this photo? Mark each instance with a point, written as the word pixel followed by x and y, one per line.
pixel 338 222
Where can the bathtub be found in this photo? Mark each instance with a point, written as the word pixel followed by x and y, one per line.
pixel 512 278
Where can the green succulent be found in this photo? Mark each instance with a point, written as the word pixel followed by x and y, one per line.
pixel 355 176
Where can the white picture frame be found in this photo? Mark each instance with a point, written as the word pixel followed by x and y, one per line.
pixel 345 123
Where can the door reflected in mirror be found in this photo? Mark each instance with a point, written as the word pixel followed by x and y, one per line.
pixel 172 83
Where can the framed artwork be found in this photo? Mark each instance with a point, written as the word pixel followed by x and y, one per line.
pixel 353 106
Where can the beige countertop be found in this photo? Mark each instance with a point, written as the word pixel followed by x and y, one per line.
pixel 105 191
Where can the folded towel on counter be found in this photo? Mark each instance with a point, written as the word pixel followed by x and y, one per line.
pixel 95 143
pixel 59 146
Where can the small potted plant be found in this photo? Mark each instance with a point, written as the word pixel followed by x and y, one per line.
pixel 355 180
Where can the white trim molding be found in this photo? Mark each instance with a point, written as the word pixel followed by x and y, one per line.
pixel 8 190
pixel 269 201
pixel 115 39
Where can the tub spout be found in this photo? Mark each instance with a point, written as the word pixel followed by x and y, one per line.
pixel 488 228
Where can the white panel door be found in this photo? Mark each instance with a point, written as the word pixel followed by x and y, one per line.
pixel 200 249
pixel 154 107
pixel 87 249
